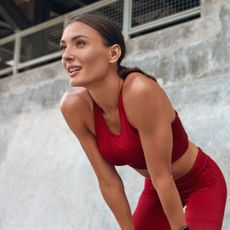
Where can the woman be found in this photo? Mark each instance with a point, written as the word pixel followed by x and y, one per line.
pixel 122 116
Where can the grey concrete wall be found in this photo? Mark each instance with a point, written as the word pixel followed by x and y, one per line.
pixel 197 49
pixel 46 181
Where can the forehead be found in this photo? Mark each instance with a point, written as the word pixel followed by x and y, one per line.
pixel 80 29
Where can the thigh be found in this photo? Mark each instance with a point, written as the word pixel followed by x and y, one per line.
pixel 204 211
pixel 149 214
pixel 205 206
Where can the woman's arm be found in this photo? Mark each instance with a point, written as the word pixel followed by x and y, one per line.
pixel 110 183
pixel 75 112
pixel 150 114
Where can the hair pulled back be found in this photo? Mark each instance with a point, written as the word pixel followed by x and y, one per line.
pixel 111 35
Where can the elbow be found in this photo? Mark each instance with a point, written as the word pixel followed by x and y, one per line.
pixel 109 185
pixel 164 181
pixel 110 192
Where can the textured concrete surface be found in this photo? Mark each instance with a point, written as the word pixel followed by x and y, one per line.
pixel 196 49
pixel 46 181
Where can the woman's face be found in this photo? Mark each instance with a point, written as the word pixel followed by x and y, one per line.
pixel 85 56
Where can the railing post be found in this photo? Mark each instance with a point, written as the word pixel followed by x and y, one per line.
pixel 17 50
pixel 66 21
pixel 127 18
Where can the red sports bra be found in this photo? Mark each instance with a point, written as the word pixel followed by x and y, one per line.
pixel 125 148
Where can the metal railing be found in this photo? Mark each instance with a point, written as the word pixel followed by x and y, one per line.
pixel 40 44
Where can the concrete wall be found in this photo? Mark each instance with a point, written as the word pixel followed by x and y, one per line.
pixel 46 180
pixel 196 49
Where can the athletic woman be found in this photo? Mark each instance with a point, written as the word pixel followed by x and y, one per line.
pixel 122 116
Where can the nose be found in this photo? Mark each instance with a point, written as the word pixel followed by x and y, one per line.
pixel 67 54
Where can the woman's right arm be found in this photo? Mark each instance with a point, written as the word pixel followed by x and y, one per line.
pixel 110 183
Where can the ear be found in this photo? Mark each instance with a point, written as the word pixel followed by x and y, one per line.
pixel 114 53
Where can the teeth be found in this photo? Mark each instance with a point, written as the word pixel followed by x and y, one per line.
pixel 72 69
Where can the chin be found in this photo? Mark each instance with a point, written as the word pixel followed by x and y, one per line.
pixel 76 83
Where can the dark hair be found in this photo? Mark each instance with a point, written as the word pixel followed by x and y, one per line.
pixel 111 35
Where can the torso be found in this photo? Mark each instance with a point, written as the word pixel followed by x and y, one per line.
pixel 182 165
pixel 179 168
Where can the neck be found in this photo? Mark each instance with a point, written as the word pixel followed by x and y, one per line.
pixel 107 92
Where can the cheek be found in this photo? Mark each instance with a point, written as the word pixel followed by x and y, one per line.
pixel 97 56
pixel 100 64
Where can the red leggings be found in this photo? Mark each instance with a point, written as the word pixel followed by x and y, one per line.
pixel 202 190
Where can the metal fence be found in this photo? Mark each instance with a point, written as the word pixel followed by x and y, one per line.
pixel 40 44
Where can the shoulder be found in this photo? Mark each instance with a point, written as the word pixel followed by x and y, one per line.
pixel 145 100
pixel 76 106
pixel 75 99
pixel 138 87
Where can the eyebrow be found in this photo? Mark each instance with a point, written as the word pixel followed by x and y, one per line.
pixel 74 38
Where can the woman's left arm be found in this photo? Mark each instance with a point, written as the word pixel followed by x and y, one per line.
pixel 150 115
pixel 156 147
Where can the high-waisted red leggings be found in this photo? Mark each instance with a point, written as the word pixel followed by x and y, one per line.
pixel 203 193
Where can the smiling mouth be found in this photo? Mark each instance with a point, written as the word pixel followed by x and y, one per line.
pixel 74 69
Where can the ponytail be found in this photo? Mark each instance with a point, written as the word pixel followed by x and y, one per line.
pixel 124 71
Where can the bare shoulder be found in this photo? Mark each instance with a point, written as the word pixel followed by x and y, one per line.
pixel 75 99
pixel 139 87
pixel 76 106
pixel 142 95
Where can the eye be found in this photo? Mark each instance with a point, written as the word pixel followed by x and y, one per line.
pixel 62 48
pixel 80 43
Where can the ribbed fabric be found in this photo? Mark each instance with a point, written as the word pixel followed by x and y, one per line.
pixel 125 148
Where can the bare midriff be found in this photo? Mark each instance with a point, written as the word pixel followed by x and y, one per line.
pixel 181 166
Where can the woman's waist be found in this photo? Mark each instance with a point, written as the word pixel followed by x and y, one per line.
pixel 181 166
pixel 185 163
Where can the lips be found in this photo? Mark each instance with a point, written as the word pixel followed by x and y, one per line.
pixel 72 70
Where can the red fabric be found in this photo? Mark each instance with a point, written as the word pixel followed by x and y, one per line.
pixel 202 190
pixel 125 148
